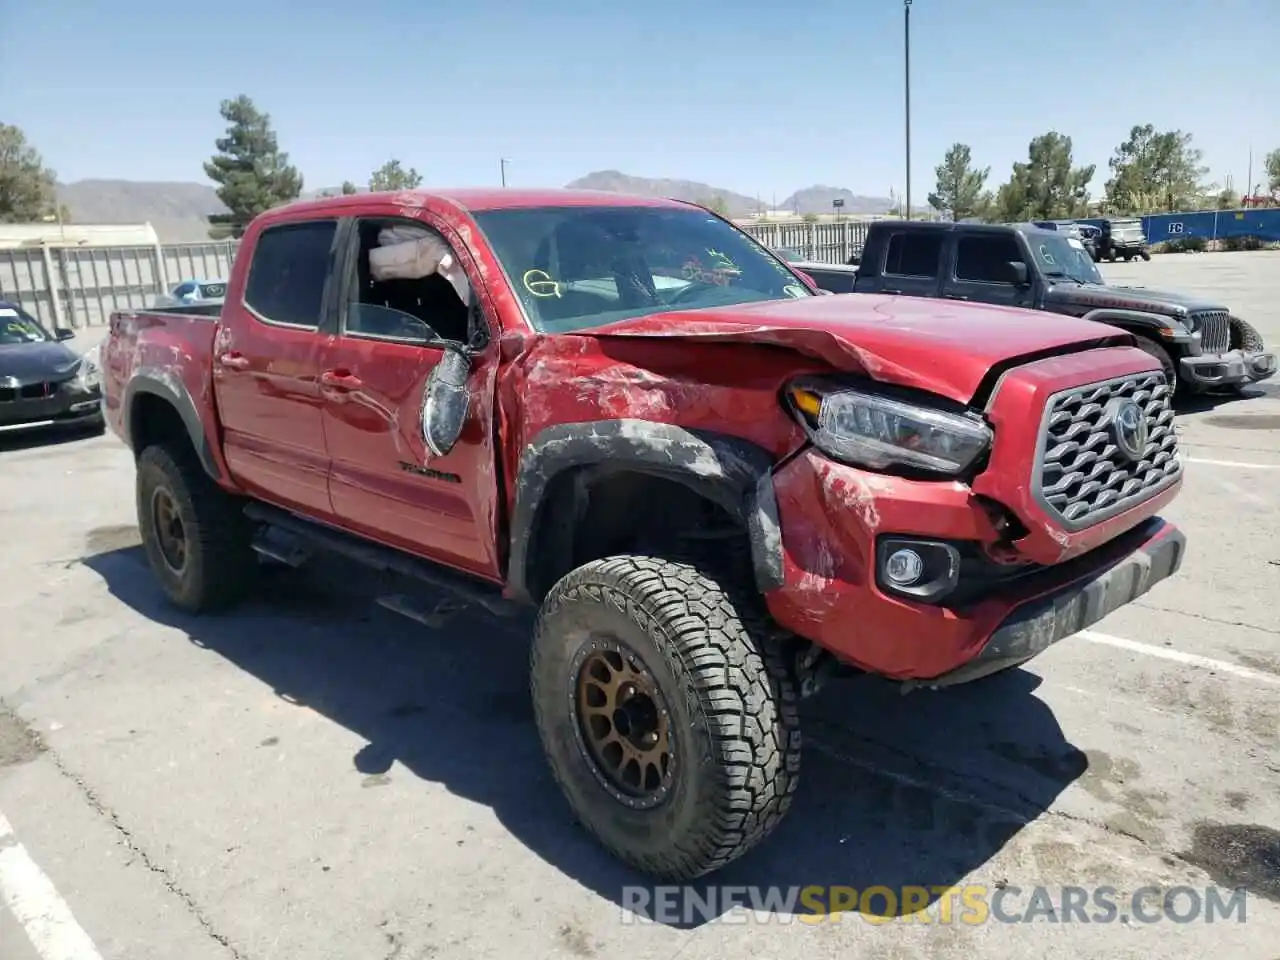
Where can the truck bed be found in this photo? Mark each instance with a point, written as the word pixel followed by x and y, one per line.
pixel 174 345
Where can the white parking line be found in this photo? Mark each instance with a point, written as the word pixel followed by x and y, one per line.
pixel 1177 656
pixel 1244 494
pixel 1240 464
pixel 42 913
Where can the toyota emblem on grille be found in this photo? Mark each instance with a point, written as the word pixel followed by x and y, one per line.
pixel 1129 428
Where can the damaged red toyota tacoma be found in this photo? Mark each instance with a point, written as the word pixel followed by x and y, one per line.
pixel 716 486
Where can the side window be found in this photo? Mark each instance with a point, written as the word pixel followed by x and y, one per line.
pixel 288 272
pixel 419 309
pixel 833 282
pixel 986 258
pixel 914 254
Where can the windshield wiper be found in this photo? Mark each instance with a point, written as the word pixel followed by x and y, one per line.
pixel 1059 275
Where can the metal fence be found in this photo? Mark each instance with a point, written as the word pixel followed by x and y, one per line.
pixel 80 287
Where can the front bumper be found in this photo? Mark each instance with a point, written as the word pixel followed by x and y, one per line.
pixel 1226 369
pixel 1034 627
pixel 66 407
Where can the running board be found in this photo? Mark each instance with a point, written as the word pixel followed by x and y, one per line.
pixel 318 536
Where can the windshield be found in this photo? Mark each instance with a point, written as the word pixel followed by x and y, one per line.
pixel 18 326
pixel 1127 229
pixel 1064 258
pixel 575 268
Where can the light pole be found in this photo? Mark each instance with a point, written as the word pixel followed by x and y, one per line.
pixel 906 63
pixel 502 169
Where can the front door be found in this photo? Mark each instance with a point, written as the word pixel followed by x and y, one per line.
pixel 981 270
pixel 383 482
pixel 266 361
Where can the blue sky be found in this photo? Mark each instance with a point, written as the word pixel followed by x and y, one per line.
pixel 762 98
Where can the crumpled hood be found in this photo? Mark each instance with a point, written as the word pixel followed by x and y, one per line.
pixel 942 346
pixel 33 362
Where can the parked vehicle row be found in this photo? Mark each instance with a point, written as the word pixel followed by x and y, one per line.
pixel 1200 345
pixel 716 487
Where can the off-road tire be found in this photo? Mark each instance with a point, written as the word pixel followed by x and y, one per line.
pixel 1167 362
pixel 734 723
pixel 1146 255
pixel 1244 336
pixel 220 562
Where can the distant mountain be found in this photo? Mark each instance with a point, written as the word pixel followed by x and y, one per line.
pixel 818 199
pixel 178 211
pixel 736 204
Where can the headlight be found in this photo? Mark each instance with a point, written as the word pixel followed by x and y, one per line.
pixel 88 376
pixel 878 431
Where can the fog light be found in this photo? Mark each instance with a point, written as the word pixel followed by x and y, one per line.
pixel 904 567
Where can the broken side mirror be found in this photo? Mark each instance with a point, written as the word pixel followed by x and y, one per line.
pixel 1018 273
pixel 446 401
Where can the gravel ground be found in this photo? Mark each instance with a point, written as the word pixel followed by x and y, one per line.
pixel 315 777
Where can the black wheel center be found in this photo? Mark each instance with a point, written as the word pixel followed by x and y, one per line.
pixel 637 720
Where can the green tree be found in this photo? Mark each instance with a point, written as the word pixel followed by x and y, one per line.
pixel 28 189
pixel 1155 167
pixel 392 176
pixel 252 172
pixel 960 189
pixel 1047 186
pixel 810 218
pixel 348 188
pixel 1272 167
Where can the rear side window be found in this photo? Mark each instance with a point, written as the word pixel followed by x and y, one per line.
pixel 288 273
pixel 986 259
pixel 914 254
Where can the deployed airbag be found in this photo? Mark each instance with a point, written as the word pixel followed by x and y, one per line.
pixel 413 253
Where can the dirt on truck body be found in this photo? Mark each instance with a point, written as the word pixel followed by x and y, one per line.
pixel 716 486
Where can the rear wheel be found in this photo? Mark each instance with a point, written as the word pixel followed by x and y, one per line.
pixel 668 719
pixel 1146 254
pixel 196 536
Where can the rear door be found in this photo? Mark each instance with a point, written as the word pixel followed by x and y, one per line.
pixel 266 365
pixel 390 335
pixel 911 264
pixel 979 269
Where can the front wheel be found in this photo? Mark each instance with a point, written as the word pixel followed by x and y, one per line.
pixel 668 720
pixel 1146 254
pixel 1167 362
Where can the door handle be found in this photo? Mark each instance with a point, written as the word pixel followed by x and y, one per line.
pixel 896 293
pixel 234 360
pixel 339 380
pixel 954 296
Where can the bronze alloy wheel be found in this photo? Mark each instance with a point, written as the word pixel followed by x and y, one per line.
pixel 623 723
pixel 171 535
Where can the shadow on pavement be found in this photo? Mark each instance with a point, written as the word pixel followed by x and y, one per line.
pixel 12 442
pixel 896 790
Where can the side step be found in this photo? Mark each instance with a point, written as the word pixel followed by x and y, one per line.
pixel 312 536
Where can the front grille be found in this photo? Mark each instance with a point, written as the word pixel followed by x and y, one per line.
pixel 1215 330
pixel 29 391
pixel 1082 476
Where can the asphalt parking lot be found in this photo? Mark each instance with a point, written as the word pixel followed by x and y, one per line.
pixel 316 777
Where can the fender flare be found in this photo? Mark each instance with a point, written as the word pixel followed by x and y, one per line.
pixel 1118 317
pixel 158 382
pixel 731 472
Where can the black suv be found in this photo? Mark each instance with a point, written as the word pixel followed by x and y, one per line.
pixel 1200 344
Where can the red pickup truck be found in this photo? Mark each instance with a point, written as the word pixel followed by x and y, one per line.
pixel 717 487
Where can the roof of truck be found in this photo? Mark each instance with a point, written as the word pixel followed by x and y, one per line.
pixel 475 199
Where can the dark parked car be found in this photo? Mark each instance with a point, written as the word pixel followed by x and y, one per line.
pixel 829 277
pixel 43 382
pixel 1200 344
